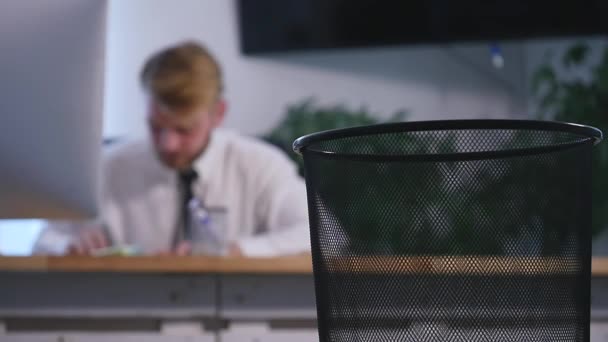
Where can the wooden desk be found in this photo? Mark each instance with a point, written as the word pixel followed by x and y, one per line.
pixel 127 299
pixel 301 264
pixel 156 299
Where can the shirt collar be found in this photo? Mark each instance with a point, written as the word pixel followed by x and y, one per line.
pixel 209 159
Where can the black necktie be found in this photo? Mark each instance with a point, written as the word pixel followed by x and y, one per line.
pixel 186 179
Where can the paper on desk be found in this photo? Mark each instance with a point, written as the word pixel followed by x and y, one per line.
pixel 123 250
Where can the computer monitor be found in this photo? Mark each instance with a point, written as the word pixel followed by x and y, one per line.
pixel 51 99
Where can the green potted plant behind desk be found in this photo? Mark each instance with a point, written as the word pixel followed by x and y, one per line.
pixel 459 221
pixel 572 88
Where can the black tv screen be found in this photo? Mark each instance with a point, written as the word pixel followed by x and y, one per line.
pixel 285 25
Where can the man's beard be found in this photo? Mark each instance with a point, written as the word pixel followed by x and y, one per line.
pixel 180 163
pixel 175 163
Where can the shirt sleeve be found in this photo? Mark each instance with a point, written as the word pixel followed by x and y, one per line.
pixel 54 238
pixel 282 211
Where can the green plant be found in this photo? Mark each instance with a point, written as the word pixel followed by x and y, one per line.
pixel 307 117
pixel 573 89
pixel 500 207
pixel 427 207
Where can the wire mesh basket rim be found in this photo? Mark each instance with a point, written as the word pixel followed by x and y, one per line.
pixel 589 132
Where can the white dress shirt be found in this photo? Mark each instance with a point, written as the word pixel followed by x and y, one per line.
pixel 256 183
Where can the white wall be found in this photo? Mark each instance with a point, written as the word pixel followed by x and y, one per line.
pixel 434 82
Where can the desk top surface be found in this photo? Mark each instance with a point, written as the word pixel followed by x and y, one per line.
pixel 300 264
pixel 158 264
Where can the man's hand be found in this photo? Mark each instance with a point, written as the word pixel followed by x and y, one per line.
pixel 234 250
pixel 88 240
pixel 183 248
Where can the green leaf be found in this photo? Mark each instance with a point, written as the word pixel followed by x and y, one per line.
pixel 543 77
pixel 575 55
pixel 600 75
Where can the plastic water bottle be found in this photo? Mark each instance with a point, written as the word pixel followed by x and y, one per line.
pixel 208 235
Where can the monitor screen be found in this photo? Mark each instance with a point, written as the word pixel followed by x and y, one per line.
pixel 51 100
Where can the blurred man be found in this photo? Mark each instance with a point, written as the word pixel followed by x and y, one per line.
pixel 147 185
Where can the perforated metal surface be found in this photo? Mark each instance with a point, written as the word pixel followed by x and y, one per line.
pixel 451 234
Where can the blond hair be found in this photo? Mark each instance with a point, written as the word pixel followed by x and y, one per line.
pixel 182 76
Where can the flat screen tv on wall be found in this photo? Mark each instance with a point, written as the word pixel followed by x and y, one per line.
pixel 286 25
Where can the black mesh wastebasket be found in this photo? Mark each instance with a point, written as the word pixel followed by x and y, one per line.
pixel 468 230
